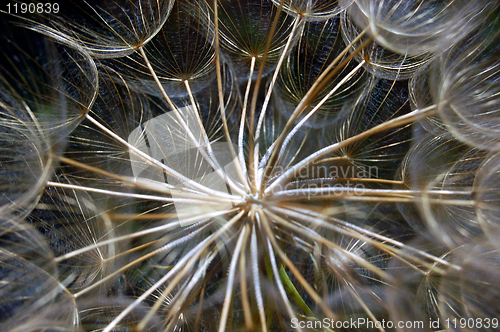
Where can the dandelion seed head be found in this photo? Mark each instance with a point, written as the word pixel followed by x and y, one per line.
pixel 252 165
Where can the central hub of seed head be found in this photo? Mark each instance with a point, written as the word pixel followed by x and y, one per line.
pixel 251 199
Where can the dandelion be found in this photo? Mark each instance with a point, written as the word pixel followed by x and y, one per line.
pixel 253 165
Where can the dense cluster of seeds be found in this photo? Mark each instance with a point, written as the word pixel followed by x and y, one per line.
pixel 250 165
